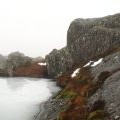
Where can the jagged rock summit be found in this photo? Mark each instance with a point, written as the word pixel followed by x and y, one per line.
pixel 87 39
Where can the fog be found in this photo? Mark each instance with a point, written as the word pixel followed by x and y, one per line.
pixel 35 27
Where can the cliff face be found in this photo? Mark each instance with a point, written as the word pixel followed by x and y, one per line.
pixel 87 39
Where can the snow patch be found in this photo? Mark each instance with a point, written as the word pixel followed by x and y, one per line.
pixel 42 64
pixel 97 62
pixel 89 63
pixel 93 64
pixel 75 73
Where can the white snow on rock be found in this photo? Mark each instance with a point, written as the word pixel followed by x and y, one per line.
pixel 89 63
pixel 97 62
pixel 93 64
pixel 42 64
pixel 75 73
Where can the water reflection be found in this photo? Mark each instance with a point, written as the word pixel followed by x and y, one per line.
pixel 16 83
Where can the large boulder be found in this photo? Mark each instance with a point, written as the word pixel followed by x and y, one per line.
pixel 87 39
pixel 58 62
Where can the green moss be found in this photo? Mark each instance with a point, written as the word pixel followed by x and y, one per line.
pixel 67 94
pixel 96 115
pixel 59 117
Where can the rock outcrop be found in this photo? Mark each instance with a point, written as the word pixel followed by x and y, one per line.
pixel 58 62
pixel 87 39
pixel 93 93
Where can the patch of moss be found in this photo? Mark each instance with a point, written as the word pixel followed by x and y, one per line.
pixel 96 115
pixel 67 94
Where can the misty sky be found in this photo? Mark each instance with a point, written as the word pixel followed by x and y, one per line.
pixel 35 27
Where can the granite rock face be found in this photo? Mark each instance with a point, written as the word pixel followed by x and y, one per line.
pixel 87 39
pixel 58 62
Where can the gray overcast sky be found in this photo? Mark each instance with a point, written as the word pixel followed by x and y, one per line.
pixel 35 27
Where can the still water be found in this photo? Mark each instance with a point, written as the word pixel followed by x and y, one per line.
pixel 20 97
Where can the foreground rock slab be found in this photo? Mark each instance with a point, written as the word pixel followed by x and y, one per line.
pixel 50 109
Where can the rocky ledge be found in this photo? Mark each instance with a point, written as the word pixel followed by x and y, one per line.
pixel 88 70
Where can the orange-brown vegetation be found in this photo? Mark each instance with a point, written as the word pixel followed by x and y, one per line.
pixel 63 80
pixel 77 90
pixel 31 70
